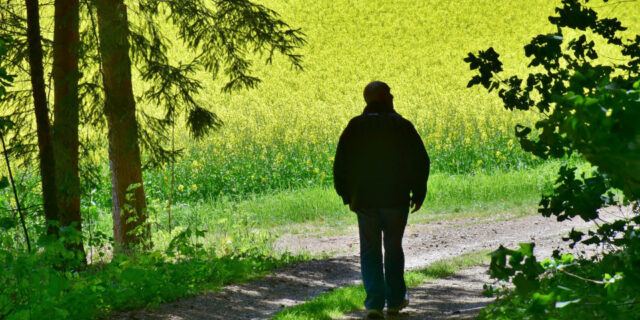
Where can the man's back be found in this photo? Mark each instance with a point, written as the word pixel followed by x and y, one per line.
pixel 380 160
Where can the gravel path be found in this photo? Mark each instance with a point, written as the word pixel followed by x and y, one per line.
pixel 454 297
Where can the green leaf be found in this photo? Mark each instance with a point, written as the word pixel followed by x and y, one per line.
pixel 5 123
pixel 525 285
pixel 7 223
pixel 527 248
pixel 133 274
pixel 590 101
pixel 4 182
pixel 21 315
pixel 543 298
pixel 567 258
pixel 133 186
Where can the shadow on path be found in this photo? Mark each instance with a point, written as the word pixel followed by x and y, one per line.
pixel 455 297
pixel 260 299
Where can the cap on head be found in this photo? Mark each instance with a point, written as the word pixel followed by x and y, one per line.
pixel 376 91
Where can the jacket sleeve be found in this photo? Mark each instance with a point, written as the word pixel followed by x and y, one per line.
pixel 419 164
pixel 340 165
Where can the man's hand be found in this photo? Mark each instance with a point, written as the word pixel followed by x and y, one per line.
pixel 414 206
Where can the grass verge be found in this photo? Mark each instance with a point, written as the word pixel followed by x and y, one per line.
pixel 319 210
pixel 337 303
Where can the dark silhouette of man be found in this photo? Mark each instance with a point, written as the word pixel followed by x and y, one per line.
pixel 381 169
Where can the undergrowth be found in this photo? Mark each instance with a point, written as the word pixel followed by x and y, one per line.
pixel 34 285
pixel 565 286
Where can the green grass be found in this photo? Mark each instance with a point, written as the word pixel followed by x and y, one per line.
pixel 449 197
pixel 337 303
pixel 318 210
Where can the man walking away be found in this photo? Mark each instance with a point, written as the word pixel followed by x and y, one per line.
pixel 381 169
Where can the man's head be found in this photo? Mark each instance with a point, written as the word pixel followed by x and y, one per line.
pixel 378 91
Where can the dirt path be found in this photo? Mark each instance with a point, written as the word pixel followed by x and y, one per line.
pixel 453 297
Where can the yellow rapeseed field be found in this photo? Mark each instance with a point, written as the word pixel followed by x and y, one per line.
pixel 283 133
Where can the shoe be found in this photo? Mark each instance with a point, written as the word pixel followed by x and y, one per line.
pixel 396 310
pixel 374 314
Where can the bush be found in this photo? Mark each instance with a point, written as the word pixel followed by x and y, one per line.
pixel 591 109
pixel 36 286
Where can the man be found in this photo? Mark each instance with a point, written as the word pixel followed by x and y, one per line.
pixel 381 169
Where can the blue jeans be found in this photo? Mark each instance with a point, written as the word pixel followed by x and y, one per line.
pixel 388 284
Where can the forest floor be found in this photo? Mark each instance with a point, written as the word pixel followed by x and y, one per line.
pixel 455 297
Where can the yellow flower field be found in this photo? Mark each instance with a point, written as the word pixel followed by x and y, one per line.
pixel 283 134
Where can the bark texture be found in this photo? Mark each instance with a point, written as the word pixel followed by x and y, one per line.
pixel 45 145
pixel 66 109
pixel 129 204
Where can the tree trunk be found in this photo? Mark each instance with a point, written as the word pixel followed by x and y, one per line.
pixel 130 229
pixel 47 162
pixel 66 75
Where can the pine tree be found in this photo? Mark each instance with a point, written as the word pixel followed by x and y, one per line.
pixel 221 34
pixel 66 110
pixel 45 145
pixel 128 199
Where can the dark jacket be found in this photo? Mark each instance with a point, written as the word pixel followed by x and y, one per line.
pixel 380 161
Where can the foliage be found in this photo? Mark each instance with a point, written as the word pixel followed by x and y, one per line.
pixel 5 80
pixel 223 40
pixel 33 288
pixel 221 34
pixel 281 135
pixel 246 228
pixel 232 230
pixel 220 37
pixel 590 107
pixel 565 287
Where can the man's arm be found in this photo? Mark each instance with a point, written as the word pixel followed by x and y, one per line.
pixel 420 166
pixel 340 165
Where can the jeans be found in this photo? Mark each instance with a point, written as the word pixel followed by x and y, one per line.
pixel 388 284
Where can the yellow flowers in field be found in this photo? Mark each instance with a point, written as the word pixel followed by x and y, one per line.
pixel 283 134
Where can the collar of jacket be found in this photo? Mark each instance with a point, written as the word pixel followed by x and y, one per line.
pixel 377 107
